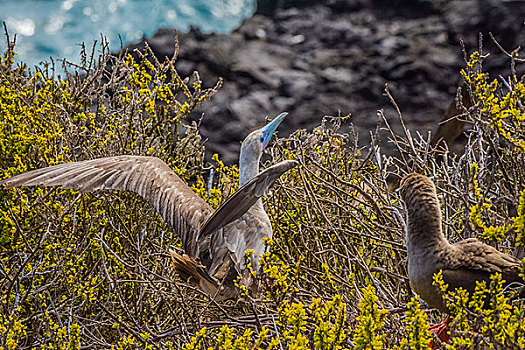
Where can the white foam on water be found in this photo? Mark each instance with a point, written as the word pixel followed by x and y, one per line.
pixel 55 28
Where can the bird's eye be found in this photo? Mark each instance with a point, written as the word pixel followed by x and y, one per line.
pixel 262 138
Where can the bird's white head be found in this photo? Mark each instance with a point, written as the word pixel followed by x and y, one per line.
pixel 257 140
pixel 252 147
pixel 267 131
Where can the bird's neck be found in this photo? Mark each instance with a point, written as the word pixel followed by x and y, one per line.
pixel 248 165
pixel 424 232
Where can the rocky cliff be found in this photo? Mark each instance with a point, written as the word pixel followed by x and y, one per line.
pixel 322 59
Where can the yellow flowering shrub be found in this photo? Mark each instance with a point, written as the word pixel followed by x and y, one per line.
pixel 68 275
pixel 369 331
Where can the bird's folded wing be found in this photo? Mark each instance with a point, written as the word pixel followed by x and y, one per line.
pixel 149 177
pixel 242 200
pixel 476 261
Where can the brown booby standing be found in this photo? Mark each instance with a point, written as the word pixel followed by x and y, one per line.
pixel 462 263
pixel 215 242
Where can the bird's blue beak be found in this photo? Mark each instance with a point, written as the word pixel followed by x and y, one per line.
pixel 268 130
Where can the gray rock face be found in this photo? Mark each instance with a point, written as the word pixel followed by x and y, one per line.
pixel 320 59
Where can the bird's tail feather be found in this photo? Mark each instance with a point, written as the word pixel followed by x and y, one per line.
pixel 188 268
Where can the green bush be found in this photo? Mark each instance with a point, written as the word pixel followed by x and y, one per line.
pixel 93 270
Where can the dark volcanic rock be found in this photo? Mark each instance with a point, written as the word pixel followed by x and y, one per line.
pixel 321 59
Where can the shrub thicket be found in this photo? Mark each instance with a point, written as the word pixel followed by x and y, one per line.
pixel 92 270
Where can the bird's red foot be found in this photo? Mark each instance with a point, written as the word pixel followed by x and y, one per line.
pixel 441 331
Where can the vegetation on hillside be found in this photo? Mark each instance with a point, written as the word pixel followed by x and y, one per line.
pixel 93 270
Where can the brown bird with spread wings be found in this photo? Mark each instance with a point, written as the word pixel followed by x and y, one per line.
pixel 215 242
pixel 462 263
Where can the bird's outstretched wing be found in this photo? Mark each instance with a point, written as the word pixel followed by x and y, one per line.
pixel 149 177
pixel 242 200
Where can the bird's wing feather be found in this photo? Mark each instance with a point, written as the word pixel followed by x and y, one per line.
pixel 473 259
pixel 463 278
pixel 239 203
pixel 149 177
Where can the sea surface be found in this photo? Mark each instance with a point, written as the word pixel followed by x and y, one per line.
pixel 55 28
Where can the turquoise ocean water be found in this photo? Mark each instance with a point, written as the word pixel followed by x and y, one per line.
pixel 54 28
